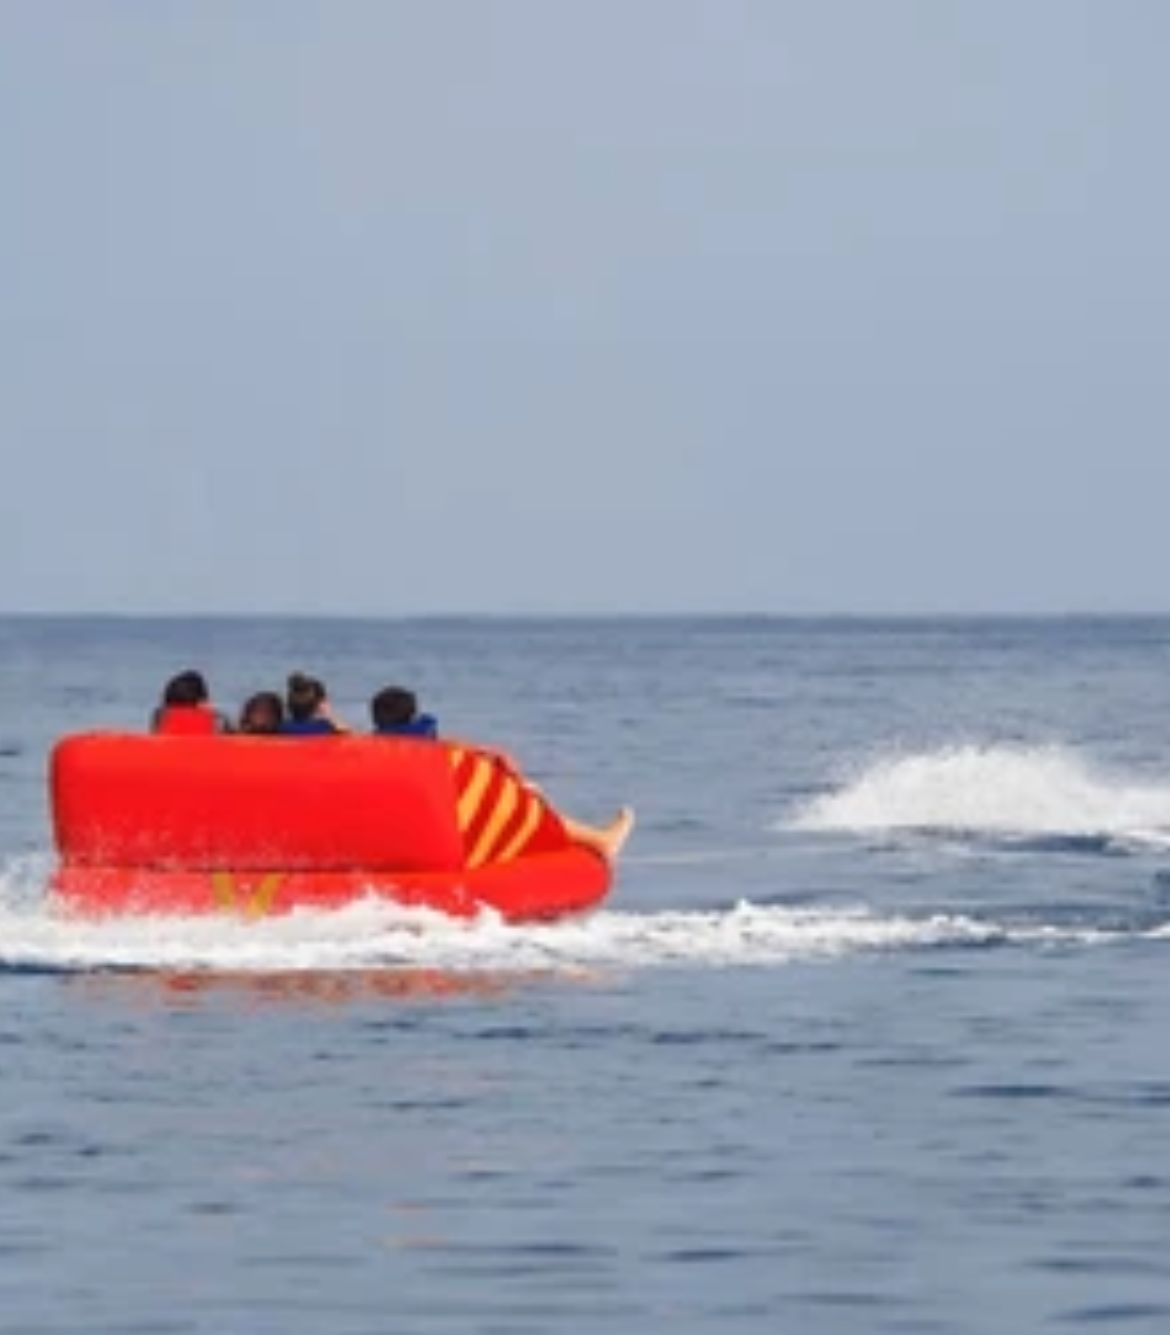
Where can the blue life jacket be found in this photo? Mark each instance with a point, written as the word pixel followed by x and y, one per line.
pixel 307 727
pixel 422 725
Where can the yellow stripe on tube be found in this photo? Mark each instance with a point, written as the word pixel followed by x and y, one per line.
pixel 524 833
pixel 230 899
pixel 264 895
pixel 223 887
pixel 473 793
pixel 505 805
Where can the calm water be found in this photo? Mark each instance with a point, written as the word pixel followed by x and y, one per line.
pixel 871 1037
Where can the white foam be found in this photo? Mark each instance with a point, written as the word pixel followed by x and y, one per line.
pixel 997 790
pixel 376 934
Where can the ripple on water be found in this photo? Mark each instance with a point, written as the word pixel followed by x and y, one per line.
pixel 1013 1090
pixel 1111 1313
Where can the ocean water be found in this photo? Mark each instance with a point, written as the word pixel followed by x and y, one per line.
pixel 871 1036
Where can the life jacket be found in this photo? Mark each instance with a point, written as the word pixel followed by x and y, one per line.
pixel 186 720
pixel 422 725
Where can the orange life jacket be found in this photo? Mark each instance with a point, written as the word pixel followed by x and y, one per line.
pixel 186 720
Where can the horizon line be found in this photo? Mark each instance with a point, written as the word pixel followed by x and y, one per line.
pixel 703 614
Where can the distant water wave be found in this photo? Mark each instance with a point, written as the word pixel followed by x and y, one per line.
pixel 376 934
pixel 1043 794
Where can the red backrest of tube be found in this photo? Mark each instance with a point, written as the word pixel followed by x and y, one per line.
pixel 328 803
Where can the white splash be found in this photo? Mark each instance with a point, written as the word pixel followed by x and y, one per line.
pixel 374 934
pixel 996 790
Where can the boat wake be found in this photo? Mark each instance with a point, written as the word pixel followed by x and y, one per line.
pixel 1046 797
pixel 373 934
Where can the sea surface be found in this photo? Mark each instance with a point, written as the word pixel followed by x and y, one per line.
pixel 872 1036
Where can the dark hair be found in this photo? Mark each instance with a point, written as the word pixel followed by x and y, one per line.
pixel 262 713
pixel 188 688
pixel 392 707
pixel 305 694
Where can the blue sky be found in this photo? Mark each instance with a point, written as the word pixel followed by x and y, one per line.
pixel 634 305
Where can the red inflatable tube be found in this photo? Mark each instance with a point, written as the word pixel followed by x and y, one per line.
pixel 259 825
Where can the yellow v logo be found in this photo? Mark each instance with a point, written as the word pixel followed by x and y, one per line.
pixel 231 898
